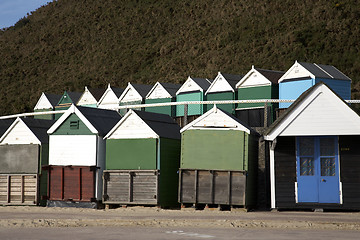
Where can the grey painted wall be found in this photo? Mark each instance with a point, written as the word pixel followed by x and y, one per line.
pixel 19 158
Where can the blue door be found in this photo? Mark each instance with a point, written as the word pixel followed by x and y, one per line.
pixel 317 169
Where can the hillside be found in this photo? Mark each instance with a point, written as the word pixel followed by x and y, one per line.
pixel 69 44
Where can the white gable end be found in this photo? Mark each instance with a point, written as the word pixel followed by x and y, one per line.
pixel 321 113
pixel 43 103
pixel 86 98
pixel 253 79
pixel 109 100
pixel 158 91
pixel 19 133
pixel 219 85
pixel 215 119
pixel 130 127
pixel 189 86
pixel 296 71
pixel 130 94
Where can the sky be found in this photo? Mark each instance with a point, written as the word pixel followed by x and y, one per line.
pixel 13 10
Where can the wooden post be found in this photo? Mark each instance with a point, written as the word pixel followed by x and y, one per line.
pixel 229 187
pixel 8 188
pixel 80 186
pixel 185 121
pixel 130 187
pixel 22 189
pixel 212 187
pixel 196 185
pixel 265 114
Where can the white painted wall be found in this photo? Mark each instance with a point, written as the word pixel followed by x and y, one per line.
pixel 109 100
pixel 20 134
pixel 219 85
pixel 254 79
pixel 189 86
pixel 130 95
pixel 158 91
pixel 101 156
pixel 132 126
pixel 77 150
pixel 86 98
pixel 43 103
pixel 296 71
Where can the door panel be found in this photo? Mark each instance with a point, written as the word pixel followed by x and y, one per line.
pixel 318 169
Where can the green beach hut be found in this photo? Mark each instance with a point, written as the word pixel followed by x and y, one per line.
pixel 142 160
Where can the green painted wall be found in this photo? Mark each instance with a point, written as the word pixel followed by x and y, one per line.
pixel 169 167
pixel 89 105
pixel 169 110
pixel 193 109
pixel 124 111
pixel 214 149
pixel 47 116
pixel 66 128
pixel 230 108
pixel 128 154
pixel 264 92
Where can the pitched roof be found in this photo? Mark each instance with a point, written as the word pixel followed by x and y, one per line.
pixel 97 92
pixel 53 98
pixel 142 89
pixel 172 88
pixel 74 96
pixel 103 120
pixel 117 91
pixel 99 121
pixel 312 95
pixel 39 127
pixel 271 75
pixel 4 125
pixel 202 82
pixel 162 124
pixel 232 79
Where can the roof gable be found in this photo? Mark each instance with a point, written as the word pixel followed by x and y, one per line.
pixel 86 98
pixel 43 103
pixel 259 77
pixel 19 133
pixel 312 70
pixel 69 98
pixel 222 84
pixel 163 90
pixel 194 84
pixel 216 119
pixel 110 98
pixel 130 94
pixel 98 121
pixel 317 112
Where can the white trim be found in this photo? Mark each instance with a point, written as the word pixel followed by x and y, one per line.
pixel 123 119
pixel 40 100
pixel 72 109
pixel 249 108
pixel 272 173
pixel 157 84
pixel 296 64
pixel 186 82
pixel 12 126
pixel 86 91
pixel 234 124
pixel 108 89
pixel 340 183
pixel 127 89
pixel 219 76
pixel 296 193
pixel 245 78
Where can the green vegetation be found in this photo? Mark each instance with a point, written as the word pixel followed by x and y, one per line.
pixel 69 44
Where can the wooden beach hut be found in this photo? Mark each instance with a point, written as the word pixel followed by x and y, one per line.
pixel 218 161
pixel 223 88
pixel 77 156
pixel 314 153
pixel 24 149
pixel 258 84
pixel 162 93
pixel 90 97
pixel 133 94
pixel 142 160
pixel 301 76
pixel 46 102
pixel 66 100
pixel 110 98
pixel 192 90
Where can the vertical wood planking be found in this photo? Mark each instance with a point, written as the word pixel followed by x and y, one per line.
pixel 196 186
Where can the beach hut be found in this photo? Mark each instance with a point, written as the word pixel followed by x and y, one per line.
pixel 24 149
pixel 90 97
pixel 218 162
pixel 314 153
pixel 142 160
pixel 162 93
pixel 133 94
pixel 258 84
pixel 223 88
pixel 66 100
pixel 110 98
pixel 77 156
pixel 46 102
pixel 192 90
pixel 301 76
